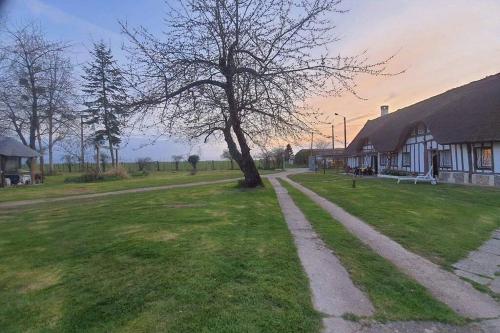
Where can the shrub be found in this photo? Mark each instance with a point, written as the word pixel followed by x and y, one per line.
pixel 87 177
pixel 142 173
pixel 144 163
pixel 94 176
pixel 118 172
pixel 193 160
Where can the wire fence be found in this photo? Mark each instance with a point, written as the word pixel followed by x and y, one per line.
pixel 156 166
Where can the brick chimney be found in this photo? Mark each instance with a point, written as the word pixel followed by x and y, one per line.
pixel 384 110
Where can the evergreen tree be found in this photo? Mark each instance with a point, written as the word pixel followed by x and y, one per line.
pixel 104 97
pixel 288 152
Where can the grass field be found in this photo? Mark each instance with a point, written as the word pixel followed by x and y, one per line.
pixel 442 223
pixel 393 294
pixel 54 186
pixel 208 259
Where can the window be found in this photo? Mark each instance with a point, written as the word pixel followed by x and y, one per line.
pixel 421 130
pixel 445 158
pixel 483 157
pixel 393 160
pixel 383 159
pixel 406 159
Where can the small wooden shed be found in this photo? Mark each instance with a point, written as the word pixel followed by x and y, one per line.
pixel 11 154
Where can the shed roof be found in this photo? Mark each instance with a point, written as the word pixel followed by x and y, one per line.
pixel 322 152
pixel 470 113
pixel 12 147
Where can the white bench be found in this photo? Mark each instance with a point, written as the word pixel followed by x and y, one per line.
pixel 428 177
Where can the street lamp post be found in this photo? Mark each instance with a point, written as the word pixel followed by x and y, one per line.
pixel 345 130
pixel 311 152
pixel 345 138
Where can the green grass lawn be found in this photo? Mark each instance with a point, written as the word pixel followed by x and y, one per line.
pixel 393 294
pixel 207 259
pixel 54 186
pixel 442 223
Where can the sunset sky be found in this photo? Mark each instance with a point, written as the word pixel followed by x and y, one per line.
pixel 440 44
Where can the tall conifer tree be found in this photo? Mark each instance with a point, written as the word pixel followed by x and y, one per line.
pixel 105 97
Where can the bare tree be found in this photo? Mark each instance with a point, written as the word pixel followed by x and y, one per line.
pixel 59 109
pixel 241 69
pixel 323 144
pixel 25 65
pixel 144 163
pixel 227 156
pixel 13 117
pixel 278 155
pixel 71 145
pixel 177 159
pixel 69 159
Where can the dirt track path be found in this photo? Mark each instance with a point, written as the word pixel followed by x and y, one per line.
pixel 445 286
pixel 21 203
pixel 16 204
pixel 333 292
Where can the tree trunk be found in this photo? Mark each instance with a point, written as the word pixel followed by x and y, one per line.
pixel 42 159
pixel 247 164
pixel 244 161
pixel 2 167
pixel 32 142
pixel 249 169
pixel 97 162
pixel 111 152
pixel 51 143
pixel 243 156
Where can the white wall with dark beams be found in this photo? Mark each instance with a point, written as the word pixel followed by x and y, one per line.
pixel 460 163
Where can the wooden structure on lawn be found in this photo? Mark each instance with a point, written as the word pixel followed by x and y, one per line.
pixel 324 158
pixel 455 134
pixel 11 154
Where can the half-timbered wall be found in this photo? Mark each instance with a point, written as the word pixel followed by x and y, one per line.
pixel 477 163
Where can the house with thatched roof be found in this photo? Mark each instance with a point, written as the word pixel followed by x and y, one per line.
pixel 11 154
pixel 455 135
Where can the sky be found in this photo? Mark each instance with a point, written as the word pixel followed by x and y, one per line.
pixel 439 44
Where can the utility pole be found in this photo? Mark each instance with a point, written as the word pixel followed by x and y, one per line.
pixel 82 150
pixel 333 140
pixel 345 138
pixel 345 135
pixel 312 140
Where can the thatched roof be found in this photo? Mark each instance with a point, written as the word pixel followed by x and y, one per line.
pixel 11 147
pixel 470 113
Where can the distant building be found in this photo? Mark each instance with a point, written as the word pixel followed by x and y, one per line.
pixel 317 158
pixel 456 133
pixel 11 154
